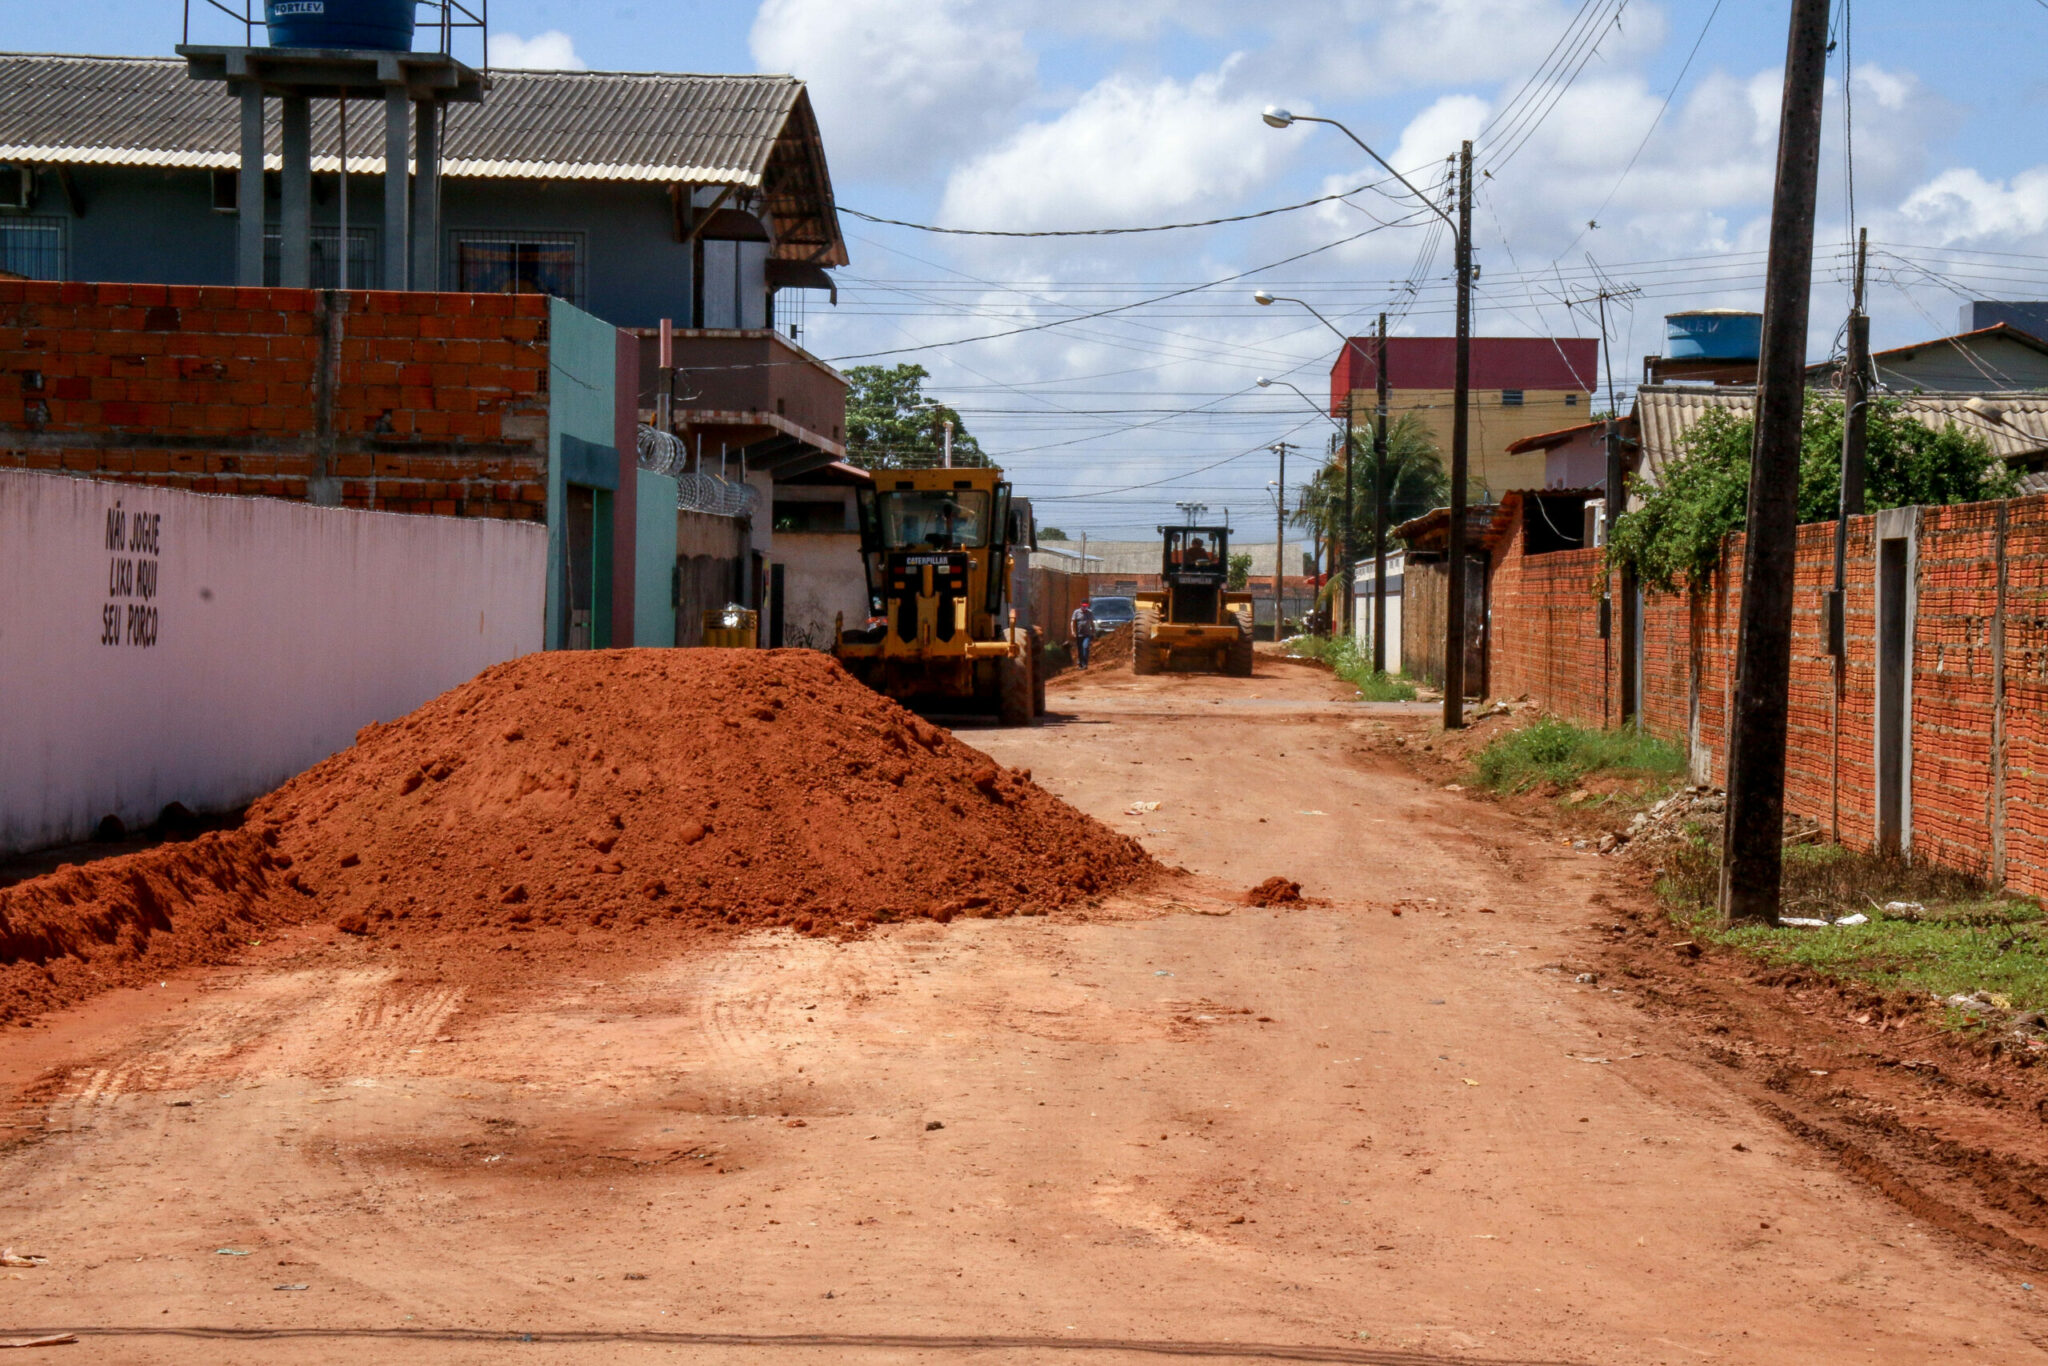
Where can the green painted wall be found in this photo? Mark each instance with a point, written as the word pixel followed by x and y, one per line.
pixel 582 386
pixel 654 611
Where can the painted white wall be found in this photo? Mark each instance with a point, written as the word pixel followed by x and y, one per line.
pixel 228 643
pixel 1361 605
pixel 821 578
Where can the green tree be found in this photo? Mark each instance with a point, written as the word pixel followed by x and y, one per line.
pixel 1240 571
pixel 1051 533
pixel 1674 538
pixel 1416 482
pixel 890 424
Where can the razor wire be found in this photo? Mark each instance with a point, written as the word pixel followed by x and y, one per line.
pixel 665 454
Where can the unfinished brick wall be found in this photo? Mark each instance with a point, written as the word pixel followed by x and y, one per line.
pixel 1543 630
pixel 1978 733
pixel 426 403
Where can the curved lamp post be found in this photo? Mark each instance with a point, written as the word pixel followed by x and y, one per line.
pixel 1454 613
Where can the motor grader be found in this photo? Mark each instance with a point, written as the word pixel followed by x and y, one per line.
pixel 941 636
pixel 1192 621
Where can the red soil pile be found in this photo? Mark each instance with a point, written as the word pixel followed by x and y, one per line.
pixel 1275 891
pixel 124 921
pixel 1113 650
pixel 565 792
pixel 614 795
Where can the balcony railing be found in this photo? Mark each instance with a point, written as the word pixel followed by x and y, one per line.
pixel 751 390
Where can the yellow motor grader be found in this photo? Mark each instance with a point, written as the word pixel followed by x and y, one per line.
pixel 941 635
pixel 1192 621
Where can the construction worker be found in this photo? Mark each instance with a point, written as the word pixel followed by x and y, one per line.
pixel 1082 624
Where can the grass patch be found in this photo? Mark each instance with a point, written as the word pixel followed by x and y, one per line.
pixel 1553 751
pixel 1353 664
pixel 1966 938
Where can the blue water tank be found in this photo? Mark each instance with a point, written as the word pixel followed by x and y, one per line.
pixel 1713 334
pixel 375 25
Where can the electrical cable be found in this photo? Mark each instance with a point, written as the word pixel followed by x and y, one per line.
pixel 1121 308
pixel 1115 232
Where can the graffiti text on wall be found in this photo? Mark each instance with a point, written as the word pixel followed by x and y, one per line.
pixel 129 616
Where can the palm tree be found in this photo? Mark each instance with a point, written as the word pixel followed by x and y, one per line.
pixel 1416 482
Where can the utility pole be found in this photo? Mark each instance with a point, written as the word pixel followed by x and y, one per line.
pixel 1340 555
pixel 1454 615
pixel 1623 602
pixel 1855 442
pixel 1379 505
pixel 1279 448
pixel 1752 847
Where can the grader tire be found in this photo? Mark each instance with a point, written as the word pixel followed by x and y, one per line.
pixel 1239 664
pixel 1013 680
pixel 1037 671
pixel 1144 643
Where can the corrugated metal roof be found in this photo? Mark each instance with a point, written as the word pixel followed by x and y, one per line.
pixel 755 132
pixel 2014 424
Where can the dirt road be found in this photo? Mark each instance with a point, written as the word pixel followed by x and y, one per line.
pixel 1181 1128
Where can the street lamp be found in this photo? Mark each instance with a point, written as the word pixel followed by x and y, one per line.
pixel 1379 537
pixel 1454 613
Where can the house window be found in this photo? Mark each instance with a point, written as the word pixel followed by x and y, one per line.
pixel 1511 398
pixel 362 258
pixel 1571 400
pixel 519 263
pixel 32 247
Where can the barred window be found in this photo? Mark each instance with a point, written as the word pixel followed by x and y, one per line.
pixel 1511 398
pixel 362 258
pixel 32 247
pixel 518 262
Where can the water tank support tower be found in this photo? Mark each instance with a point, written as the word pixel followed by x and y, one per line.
pixel 348 51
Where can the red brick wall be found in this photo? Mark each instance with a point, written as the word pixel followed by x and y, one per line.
pixel 1979 795
pixel 432 403
pixel 1543 630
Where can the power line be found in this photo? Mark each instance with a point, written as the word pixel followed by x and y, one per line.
pixel 1114 232
pixel 1121 308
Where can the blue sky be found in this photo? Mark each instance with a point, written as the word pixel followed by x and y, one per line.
pixel 1047 114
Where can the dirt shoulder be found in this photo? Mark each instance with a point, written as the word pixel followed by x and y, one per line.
pixel 1952 1126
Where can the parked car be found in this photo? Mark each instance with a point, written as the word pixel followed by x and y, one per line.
pixel 1111 613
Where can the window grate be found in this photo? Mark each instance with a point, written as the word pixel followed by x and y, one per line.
pixel 517 262
pixel 1511 398
pixel 362 258
pixel 32 247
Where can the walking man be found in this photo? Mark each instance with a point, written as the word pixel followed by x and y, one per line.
pixel 1082 624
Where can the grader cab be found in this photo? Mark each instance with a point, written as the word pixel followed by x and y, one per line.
pixel 941 636
pixel 1192 621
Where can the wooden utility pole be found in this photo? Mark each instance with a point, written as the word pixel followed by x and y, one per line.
pixel 1855 443
pixel 1752 847
pixel 1380 499
pixel 1454 614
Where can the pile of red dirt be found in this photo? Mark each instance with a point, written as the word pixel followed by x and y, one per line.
pixel 569 792
pixel 1112 650
pixel 1275 891
pixel 123 921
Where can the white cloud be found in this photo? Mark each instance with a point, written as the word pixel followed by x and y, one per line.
pixel 1961 206
pixel 1127 151
pixel 553 50
pixel 901 86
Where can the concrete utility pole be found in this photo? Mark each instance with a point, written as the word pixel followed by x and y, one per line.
pixel 1624 600
pixel 1340 554
pixel 1380 497
pixel 1752 847
pixel 1855 442
pixel 1454 615
pixel 1279 448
